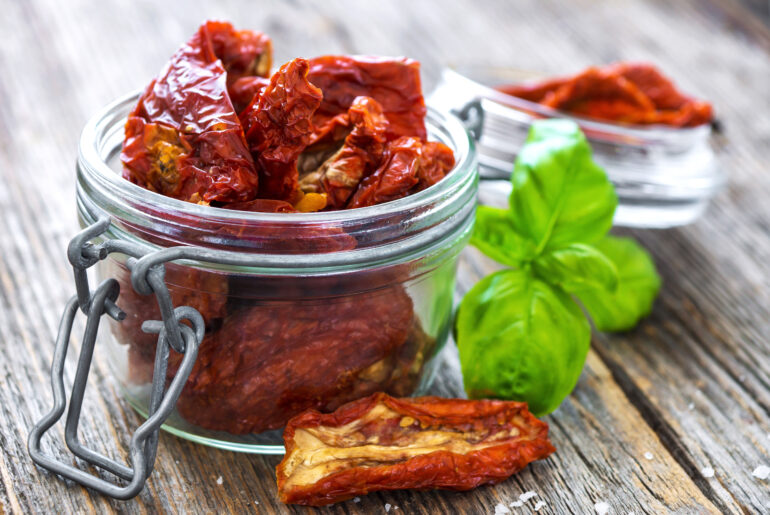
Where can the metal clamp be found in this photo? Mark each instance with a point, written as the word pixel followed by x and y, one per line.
pixel 147 276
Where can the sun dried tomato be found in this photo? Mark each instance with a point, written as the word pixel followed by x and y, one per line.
pixel 384 443
pixel 269 362
pixel 244 90
pixel 339 175
pixel 244 53
pixel 672 106
pixel 184 139
pixel 404 165
pixel 393 82
pixel 278 127
pixel 436 161
pixel 636 93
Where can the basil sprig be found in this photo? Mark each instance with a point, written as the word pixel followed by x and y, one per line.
pixel 520 332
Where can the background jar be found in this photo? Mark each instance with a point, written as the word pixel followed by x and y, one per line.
pixel 664 176
pixel 333 306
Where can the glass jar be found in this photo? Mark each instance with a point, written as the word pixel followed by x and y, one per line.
pixel 333 306
pixel 663 176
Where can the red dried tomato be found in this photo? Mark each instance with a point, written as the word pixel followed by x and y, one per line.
pixel 269 362
pixel 244 90
pixel 184 139
pixel 402 168
pixel 383 443
pixel 361 151
pixel 636 93
pixel 393 82
pixel 436 161
pixel 278 127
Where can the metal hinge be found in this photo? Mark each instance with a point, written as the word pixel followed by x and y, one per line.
pixel 147 276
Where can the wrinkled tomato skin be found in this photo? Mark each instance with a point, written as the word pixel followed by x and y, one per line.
pixel 270 362
pixel 279 126
pixel 184 138
pixel 500 438
pixel 393 82
pixel 633 93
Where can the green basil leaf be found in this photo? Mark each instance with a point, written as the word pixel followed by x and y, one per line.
pixel 560 195
pixel 638 285
pixel 577 267
pixel 521 339
pixel 495 236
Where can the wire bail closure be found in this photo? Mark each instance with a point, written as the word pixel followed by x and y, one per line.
pixel 147 276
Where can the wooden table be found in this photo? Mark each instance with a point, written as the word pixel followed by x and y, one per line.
pixel 687 391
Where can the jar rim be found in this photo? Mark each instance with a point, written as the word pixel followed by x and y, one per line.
pixel 91 152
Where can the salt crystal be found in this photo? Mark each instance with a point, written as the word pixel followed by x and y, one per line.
pixel 602 508
pixel 526 496
pixel 707 472
pixel 648 455
pixel 691 406
pixel 256 502
pixel 356 499
pixel 501 509
pixel 761 472
pixel 539 504
pixel 219 480
pixel 517 504
pixel 387 507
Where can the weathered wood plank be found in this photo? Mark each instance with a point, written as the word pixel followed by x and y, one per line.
pixel 709 332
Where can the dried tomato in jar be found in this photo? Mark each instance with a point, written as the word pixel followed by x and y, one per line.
pixel 270 362
pixel 634 93
pixel 184 138
pixel 393 82
pixel 384 443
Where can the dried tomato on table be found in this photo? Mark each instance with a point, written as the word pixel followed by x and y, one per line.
pixel 635 93
pixel 272 361
pixel 184 138
pixel 384 443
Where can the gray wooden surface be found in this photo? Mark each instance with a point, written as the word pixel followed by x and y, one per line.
pixel 688 390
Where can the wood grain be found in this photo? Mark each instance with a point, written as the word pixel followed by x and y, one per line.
pixel 690 386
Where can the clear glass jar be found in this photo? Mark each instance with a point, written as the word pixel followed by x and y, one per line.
pixel 663 176
pixel 334 306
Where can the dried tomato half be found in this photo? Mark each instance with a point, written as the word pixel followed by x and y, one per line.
pixel 393 82
pixel 339 175
pixel 278 127
pixel 184 139
pixel 272 361
pixel 384 443
pixel 636 93
pixel 406 162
